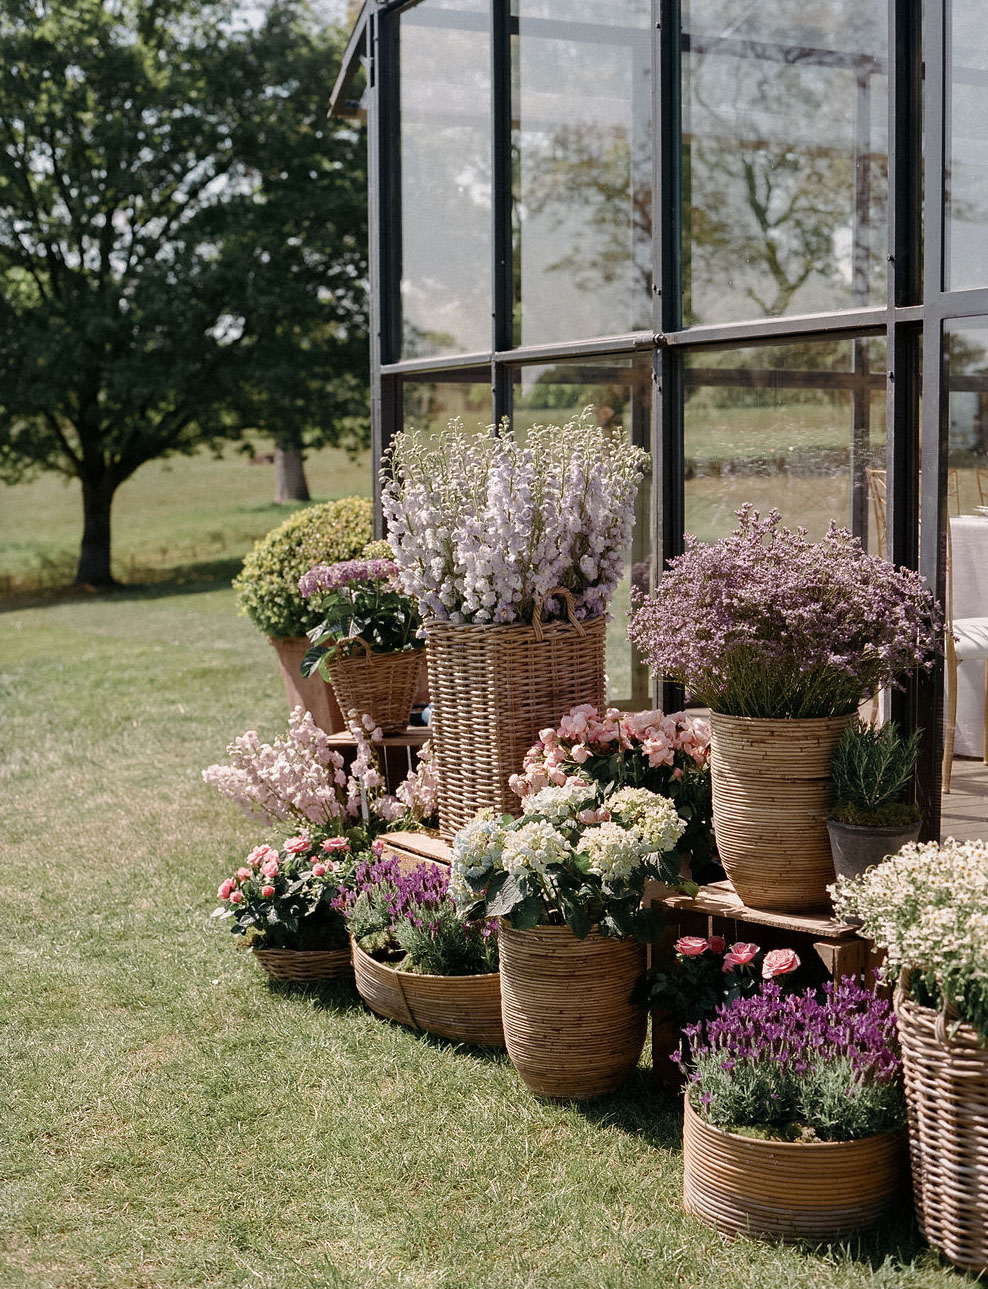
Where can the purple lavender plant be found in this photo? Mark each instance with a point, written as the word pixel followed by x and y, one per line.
pixel 766 623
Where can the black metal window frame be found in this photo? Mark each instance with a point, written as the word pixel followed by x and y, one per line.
pixel 911 321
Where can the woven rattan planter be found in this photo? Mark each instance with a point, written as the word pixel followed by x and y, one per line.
pixel 492 689
pixel 382 685
pixel 770 781
pixel 946 1076
pixel 783 1190
pixel 570 1027
pixel 304 965
pixel 464 1008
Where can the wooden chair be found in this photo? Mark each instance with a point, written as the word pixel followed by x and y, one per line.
pixel 981 479
pixel 966 641
pixel 877 491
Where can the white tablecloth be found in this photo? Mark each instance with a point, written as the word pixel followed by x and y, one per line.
pixel 969 560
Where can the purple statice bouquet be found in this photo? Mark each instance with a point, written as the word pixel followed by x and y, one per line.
pixel 799 1067
pixel 484 525
pixel 766 623
pixel 407 919
pixel 357 597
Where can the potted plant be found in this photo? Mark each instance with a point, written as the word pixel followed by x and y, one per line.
pixel 792 1126
pixel 366 643
pixel 267 591
pixel 781 637
pixel 666 754
pixel 566 882
pixel 872 813
pixel 701 974
pixel 513 547
pixel 415 960
pixel 926 907
pixel 284 903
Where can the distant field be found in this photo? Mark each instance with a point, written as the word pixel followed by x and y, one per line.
pixel 174 513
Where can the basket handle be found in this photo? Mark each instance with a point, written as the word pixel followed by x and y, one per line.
pixel 567 598
pixel 338 644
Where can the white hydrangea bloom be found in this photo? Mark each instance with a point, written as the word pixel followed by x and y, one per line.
pixel 533 847
pixel 614 852
pixel 653 816
pixel 476 850
pixel 561 805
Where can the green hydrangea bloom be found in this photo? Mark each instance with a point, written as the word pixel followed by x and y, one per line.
pixel 267 585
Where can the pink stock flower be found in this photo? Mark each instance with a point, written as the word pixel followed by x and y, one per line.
pixel 717 943
pixel 779 962
pixel 267 892
pixel 691 946
pixel 318 870
pixel 236 897
pixel 335 843
pixel 270 868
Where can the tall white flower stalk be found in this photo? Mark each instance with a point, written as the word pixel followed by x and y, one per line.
pixel 483 525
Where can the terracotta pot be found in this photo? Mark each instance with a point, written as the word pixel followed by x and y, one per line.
pixel 570 1027
pixel 783 1190
pixel 311 692
pixel 771 782
pixel 466 1009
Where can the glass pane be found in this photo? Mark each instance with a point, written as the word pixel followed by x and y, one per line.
pixel 429 405
pixel 796 427
pixel 785 157
pixel 966 170
pixel 581 138
pixel 445 178
pixel 619 391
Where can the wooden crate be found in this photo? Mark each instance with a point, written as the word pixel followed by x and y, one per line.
pixel 411 848
pixel 396 751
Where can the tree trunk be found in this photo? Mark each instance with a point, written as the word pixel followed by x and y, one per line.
pixel 289 475
pixel 94 557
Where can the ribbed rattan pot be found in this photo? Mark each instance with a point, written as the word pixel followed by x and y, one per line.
pixel 464 1008
pixel 946 1073
pixel 305 965
pixel 492 689
pixel 771 781
pixel 784 1190
pixel 571 1029
pixel 382 685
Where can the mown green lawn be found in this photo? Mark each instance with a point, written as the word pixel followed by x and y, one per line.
pixel 173 1120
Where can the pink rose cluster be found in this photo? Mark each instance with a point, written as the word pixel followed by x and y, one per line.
pixel 303 859
pixel 675 742
pixel 777 962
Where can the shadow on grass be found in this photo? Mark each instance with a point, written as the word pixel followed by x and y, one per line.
pixel 184 579
pixel 325 995
pixel 641 1109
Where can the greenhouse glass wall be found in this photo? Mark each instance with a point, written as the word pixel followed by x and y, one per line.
pixel 754 237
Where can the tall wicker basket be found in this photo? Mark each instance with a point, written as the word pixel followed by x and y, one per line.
pixel 492 689
pixel 770 782
pixel 382 685
pixel 946 1073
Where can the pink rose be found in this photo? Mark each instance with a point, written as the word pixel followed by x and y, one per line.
pixel 267 892
pixel 318 870
pixel 587 816
pixel 744 952
pixel 556 776
pixel 336 843
pixel 236 897
pixel 691 946
pixel 244 874
pixel 298 845
pixel 717 944
pixel 677 773
pixel 779 962
pixel 580 753
pixel 270 868
pixel 257 855
pixel 224 890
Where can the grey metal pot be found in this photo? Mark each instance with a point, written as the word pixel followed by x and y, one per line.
pixel 856 848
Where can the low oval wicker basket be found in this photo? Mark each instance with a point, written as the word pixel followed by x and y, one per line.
pixel 570 1027
pixel 466 1009
pixel 946 1074
pixel 786 1190
pixel 304 965
pixel 382 685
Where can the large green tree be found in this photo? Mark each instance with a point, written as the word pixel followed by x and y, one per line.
pixel 182 240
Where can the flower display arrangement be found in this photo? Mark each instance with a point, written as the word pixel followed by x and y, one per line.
pixel 666 754
pixel 409 920
pixel 484 525
pixel 927 907
pixel 766 623
pixel 705 973
pixel 358 597
pixel 267 585
pixel 573 859
pixel 289 898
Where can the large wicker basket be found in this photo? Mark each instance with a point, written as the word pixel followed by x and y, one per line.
pixel 770 781
pixel 492 689
pixel 946 1073
pixel 305 965
pixel 785 1190
pixel 382 685
pixel 464 1008
pixel 571 1029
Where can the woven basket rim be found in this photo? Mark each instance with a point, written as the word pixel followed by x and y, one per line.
pixel 774 1143
pixel 594 933
pixel 313 952
pixel 436 624
pixel 774 721
pixel 965 1037
pixel 420 975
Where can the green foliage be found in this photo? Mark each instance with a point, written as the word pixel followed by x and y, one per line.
pixel 181 241
pixel 872 771
pixel 267 585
